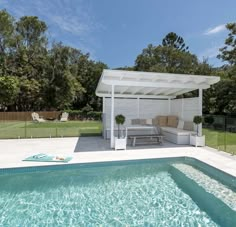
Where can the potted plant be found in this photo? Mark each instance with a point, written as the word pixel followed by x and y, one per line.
pixel 197 120
pixel 197 140
pixel 120 141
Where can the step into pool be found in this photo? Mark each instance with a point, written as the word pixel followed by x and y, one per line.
pixel 158 192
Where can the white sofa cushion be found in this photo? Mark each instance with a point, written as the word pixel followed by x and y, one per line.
pixel 176 131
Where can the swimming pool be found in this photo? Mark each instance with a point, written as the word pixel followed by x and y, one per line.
pixel 161 192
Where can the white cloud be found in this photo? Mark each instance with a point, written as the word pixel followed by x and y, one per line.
pixel 67 20
pixel 215 30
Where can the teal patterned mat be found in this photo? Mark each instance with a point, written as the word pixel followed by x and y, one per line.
pixel 47 158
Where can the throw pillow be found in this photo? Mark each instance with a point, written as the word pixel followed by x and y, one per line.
pixel 172 121
pixel 149 121
pixel 162 120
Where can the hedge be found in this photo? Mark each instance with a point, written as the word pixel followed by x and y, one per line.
pixel 83 115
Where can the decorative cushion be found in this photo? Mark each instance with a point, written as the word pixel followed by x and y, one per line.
pixel 180 124
pixel 172 121
pixel 148 121
pixel 162 120
pixel 188 125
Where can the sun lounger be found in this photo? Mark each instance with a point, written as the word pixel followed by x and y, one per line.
pixel 36 118
pixel 64 117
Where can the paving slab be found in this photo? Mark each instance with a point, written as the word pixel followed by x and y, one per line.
pixel 96 149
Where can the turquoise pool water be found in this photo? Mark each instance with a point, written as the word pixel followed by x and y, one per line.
pixel 168 192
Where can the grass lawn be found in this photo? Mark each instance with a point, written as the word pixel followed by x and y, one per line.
pixel 16 129
pixel 225 141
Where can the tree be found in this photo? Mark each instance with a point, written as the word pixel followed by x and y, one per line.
pixel 9 88
pixel 175 41
pixel 48 78
pixel 228 52
pixel 61 86
pixel 6 33
pixel 88 75
pixel 165 59
pixel 29 97
pixel 31 47
pixel 226 89
pixel 226 97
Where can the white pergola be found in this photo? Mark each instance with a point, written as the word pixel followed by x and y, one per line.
pixel 149 85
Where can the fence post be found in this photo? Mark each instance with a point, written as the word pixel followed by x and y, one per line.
pixel 25 126
pixel 225 133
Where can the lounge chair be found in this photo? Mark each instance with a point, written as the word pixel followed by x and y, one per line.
pixel 36 118
pixel 64 117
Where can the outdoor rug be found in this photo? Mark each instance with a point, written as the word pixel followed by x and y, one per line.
pixel 47 158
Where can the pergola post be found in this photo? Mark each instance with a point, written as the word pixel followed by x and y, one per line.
pixel 169 106
pixel 138 107
pixel 200 109
pixel 103 105
pixel 112 116
pixel 182 108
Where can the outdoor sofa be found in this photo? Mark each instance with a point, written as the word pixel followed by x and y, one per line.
pixel 173 129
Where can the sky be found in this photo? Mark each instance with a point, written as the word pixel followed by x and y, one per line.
pixel 116 31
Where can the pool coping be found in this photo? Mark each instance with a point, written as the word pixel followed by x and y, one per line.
pixel 14 151
pixel 88 160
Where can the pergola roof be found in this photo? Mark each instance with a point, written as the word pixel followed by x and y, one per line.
pixel 150 84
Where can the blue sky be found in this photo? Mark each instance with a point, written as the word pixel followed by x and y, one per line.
pixel 116 31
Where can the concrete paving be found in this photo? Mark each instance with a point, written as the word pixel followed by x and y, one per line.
pixel 95 149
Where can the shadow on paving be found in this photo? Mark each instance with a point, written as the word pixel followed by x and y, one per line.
pixel 97 143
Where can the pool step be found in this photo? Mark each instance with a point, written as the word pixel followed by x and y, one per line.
pixel 211 185
pixel 218 210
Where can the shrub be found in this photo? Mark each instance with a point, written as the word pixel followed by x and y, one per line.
pixel 209 120
pixel 83 115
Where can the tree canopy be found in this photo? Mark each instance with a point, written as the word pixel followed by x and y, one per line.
pixel 175 41
pixel 38 75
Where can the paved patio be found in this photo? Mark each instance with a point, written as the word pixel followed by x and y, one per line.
pixel 95 149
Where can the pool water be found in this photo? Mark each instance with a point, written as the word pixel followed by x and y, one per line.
pixel 132 194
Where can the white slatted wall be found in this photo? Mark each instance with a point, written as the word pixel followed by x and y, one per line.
pixel 185 109
pixel 147 108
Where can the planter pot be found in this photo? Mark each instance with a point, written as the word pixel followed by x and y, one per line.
pixel 197 141
pixel 120 144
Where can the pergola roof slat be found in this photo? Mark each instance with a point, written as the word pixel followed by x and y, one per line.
pixel 146 84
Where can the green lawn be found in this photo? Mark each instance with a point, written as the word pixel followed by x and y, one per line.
pixel 224 141
pixel 16 129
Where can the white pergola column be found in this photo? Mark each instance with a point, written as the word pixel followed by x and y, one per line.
pixel 169 106
pixel 182 108
pixel 104 135
pixel 138 107
pixel 200 109
pixel 104 105
pixel 112 116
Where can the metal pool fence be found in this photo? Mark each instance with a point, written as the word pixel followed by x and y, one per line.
pixel 220 132
pixel 21 125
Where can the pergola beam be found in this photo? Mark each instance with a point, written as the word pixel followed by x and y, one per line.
pixel 155 84
pixel 117 95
